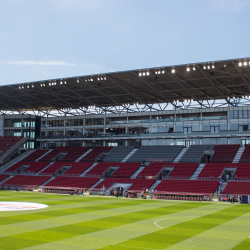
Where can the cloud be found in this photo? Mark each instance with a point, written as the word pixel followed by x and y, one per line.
pixel 229 5
pixel 41 63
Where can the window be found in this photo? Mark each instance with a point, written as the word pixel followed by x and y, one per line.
pixel 195 141
pixel 179 128
pixel 205 141
pixel 144 142
pixel 234 140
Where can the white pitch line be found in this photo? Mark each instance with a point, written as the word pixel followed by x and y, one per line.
pixel 172 218
pixel 193 217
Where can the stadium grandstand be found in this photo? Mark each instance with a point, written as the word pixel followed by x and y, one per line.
pixel 180 132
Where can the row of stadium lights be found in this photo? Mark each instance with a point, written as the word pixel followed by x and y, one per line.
pixel 245 63
pixel 28 86
pixel 98 79
pixel 158 72
pixel 62 82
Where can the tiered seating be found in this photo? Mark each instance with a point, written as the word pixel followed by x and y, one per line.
pixel 17 166
pixel 77 168
pixel 195 152
pixel 3 177
pixel 117 154
pixel 243 171
pixel 7 142
pixel 73 153
pixel 26 180
pixel 52 169
pixel 156 153
pixel 225 153
pixel 97 151
pixel 213 170
pixel 245 157
pixel 181 170
pixel 237 187
pixel 125 170
pixel 35 167
pixel 35 155
pixel 71 182
pixel 53 153
pixel 137 184
pixel 100 168
pixel 187 186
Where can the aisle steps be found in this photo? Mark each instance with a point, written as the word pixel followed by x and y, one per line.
pixel 129 155
pixel 43 155
pixel 238 155
pixel 183 151
pixel 83 155
pixel 197 171
pixel 136 173
pixel 86 171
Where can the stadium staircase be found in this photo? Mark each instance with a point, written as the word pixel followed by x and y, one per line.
pixel 83 155
pixel 197 171
pixel 155 185
pixel 86 171
pixel 136 173
pixel 52 178
pixel 223 185
pixel 6 179
pixel 43 155
pixel 13 148
pixel 129 155
pixel 238 155
pixel 97 183
pixel 17 159
pixel 183 151
pixel 44 168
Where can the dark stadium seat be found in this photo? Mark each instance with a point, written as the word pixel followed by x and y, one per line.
pixel 214 170
pixel 187 186
pixel 225 153
pixel 71 182
pixel 97 151
pixel 71 153
pixel 237 187
pixel 137 184
pixel 125 170
pixel 35 155
pixel 7 142
pixel 26 180
pixel 181 170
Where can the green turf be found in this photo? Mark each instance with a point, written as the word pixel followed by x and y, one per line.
pixel 92 222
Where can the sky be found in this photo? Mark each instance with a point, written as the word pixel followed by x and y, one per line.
pixel 49 39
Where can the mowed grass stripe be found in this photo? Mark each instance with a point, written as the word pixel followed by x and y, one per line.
pixel 224 236
pixel 165 238
pixel 243 245
pixel 7 230
pixel 65 212
pixel 76 202
pixel 65 232
pixel 125 232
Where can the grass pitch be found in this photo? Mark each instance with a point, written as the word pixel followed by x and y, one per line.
pixel 91 222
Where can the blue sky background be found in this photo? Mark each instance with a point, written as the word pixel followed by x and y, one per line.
pixel 62 38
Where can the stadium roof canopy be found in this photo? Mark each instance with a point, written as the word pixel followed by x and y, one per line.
pixel 227 80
